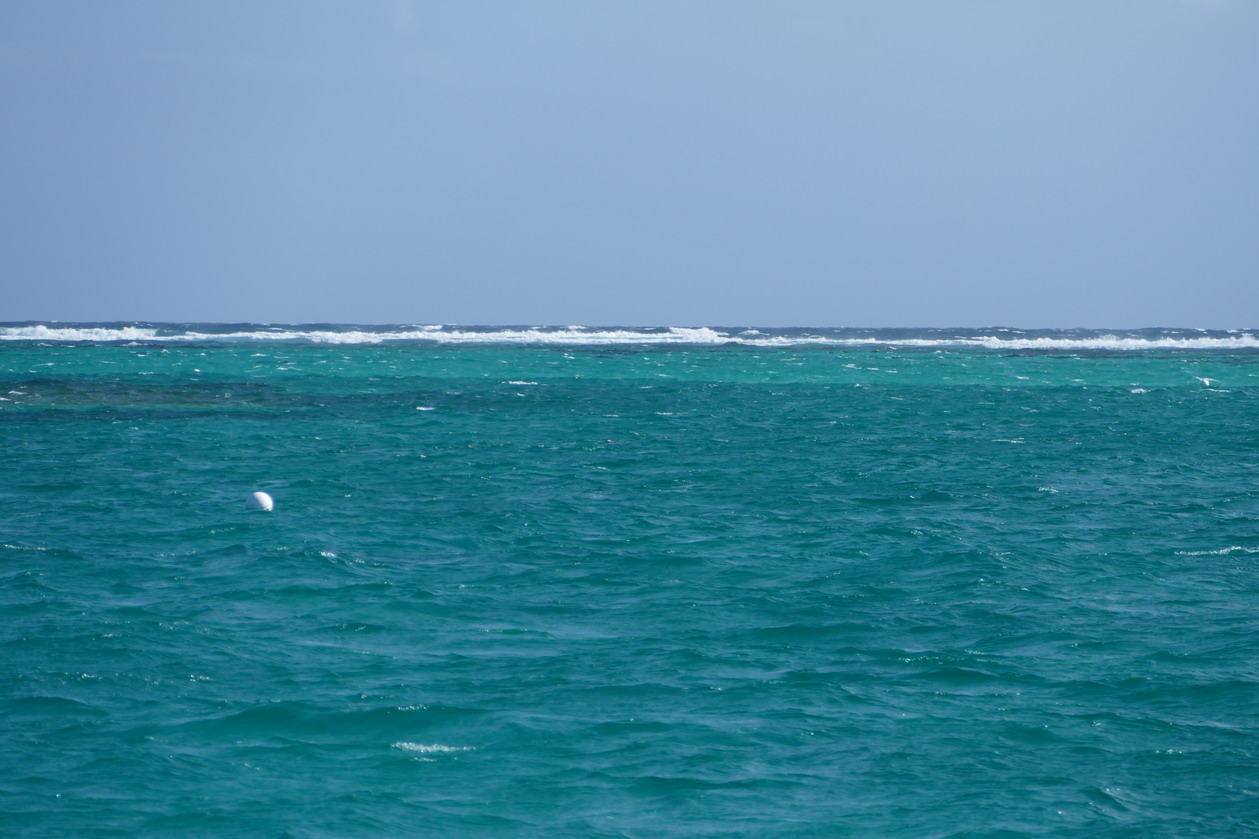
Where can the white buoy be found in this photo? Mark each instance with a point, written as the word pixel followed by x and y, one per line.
pixel 259 501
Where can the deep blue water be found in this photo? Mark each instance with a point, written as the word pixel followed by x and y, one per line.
pixel 574 582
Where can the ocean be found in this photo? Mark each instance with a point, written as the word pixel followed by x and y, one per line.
pixel 632 582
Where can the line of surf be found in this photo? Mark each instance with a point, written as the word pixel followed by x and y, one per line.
pixel 594 336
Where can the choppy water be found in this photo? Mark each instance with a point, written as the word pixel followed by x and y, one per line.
pixel 646 583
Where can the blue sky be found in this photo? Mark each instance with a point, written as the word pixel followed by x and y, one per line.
pixel 934 163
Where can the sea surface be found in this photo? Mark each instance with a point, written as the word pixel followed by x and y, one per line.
pixel 667 582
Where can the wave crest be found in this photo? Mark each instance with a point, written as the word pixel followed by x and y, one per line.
pixel 1043 340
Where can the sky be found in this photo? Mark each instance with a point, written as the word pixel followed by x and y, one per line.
pixel 1026 163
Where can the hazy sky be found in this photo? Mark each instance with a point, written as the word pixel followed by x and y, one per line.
pixel 875 163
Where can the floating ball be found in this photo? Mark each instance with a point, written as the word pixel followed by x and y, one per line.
pixel 259 501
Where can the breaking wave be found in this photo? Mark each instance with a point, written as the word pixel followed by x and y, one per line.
pixel 991 339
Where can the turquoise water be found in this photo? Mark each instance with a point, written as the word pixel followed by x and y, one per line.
pixel 631 583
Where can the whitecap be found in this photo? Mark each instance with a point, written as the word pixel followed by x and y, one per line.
pixel 435 748
pixel 588 335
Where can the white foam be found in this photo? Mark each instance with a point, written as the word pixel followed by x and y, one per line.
pixel 1101 342
pixel 45 333
pixel 532 335
pixel 435 748
pixel 1220 552
pixel 595 336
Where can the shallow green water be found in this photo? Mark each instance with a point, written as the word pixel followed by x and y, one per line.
pixel 628 590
